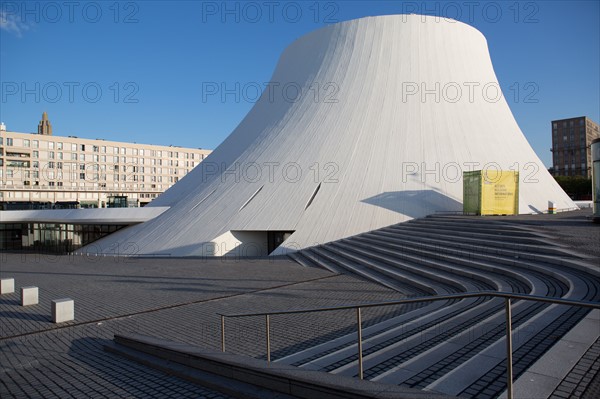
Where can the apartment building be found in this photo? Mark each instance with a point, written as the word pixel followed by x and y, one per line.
pixel 40 170
pixel 571 140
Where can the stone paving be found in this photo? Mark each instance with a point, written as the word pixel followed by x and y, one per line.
pixel 176 298
pixel 179 299
pixel 584 378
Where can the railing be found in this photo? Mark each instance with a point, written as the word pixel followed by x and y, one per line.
pixel 508 297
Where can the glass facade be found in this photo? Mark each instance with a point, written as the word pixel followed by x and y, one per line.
pixel 56 238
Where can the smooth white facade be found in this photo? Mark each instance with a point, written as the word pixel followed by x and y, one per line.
pixel 391 111
pixel 83 216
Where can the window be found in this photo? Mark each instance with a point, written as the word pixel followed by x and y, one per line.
pixel 82 157
pixel 123 150
pixel 73 147
pixel 59 165
pixel 9 141
pixel 25 143
pixel 59 146
pixel 35 154
pixel 51 145
pixel 36 164
pixel 51 184
pixel 142 152
pixel 35 144
pixel 73 156
pixel 51 155
pixel 116 159
pixel 82 176
pixel 82 147
pixel 51 165
pixel 81 166
pixel 104 149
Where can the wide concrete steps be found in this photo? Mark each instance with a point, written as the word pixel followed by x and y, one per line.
pixel 244 377
pixel 453 347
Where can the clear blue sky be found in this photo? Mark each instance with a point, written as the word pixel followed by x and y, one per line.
pixel 151 59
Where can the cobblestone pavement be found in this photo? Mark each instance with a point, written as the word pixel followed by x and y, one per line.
pixel 583 380
pixel 172 298
pixel 179 299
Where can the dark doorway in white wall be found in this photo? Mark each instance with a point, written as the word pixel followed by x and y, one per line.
pixel 276 238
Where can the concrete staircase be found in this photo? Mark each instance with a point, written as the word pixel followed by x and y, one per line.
pixel 452 347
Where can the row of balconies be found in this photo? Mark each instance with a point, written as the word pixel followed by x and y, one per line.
pixel 23 187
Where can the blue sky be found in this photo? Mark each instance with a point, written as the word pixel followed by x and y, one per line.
pixel 135 70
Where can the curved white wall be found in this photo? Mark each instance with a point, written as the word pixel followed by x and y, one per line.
pixel 393 109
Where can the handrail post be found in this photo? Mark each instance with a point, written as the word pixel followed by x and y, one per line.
pixel 360 357
pixel 222 333
pixel 268 327
pixel 509 363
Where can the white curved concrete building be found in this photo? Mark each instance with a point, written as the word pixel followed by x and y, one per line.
pixel 391 111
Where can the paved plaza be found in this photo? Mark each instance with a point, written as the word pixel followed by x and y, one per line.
pixel 179 300
pixel 170 298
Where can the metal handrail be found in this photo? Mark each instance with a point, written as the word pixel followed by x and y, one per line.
pixel 508 297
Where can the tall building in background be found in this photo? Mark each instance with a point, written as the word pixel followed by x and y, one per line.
pixel 44 127
pixel 571 140
pixel 40 170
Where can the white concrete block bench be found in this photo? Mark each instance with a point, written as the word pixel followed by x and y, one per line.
pixel 29 296
pixel 63 310
pixel 7 286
